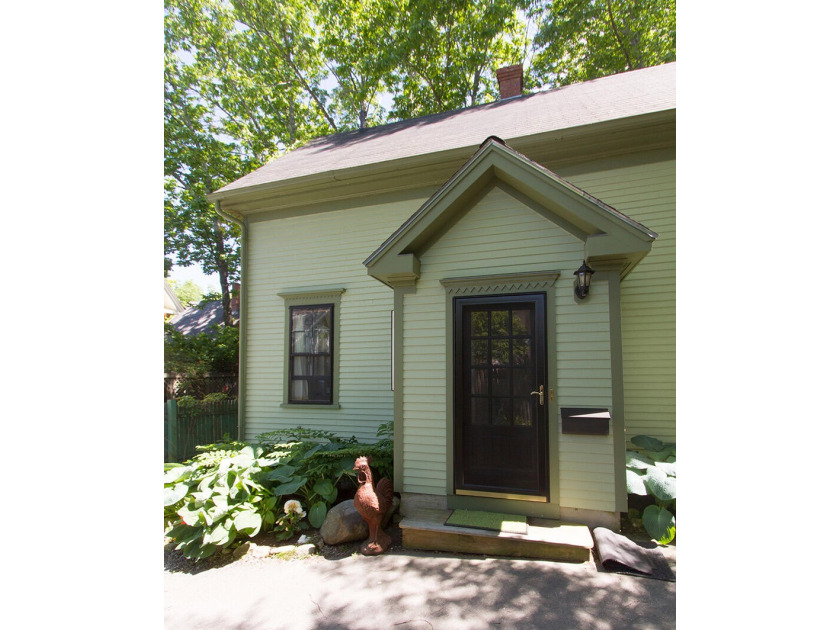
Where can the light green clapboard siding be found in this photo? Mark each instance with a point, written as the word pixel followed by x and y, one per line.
pixel 646 192
pixel 324 249
pixel 501 235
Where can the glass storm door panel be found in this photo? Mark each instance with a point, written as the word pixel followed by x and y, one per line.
pixel 500 418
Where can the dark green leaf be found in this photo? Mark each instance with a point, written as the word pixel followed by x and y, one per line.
pixel 281 473
pixel 326 489
pixel 317 514
pixel 647 443
pixel 660 524
pixel 291 487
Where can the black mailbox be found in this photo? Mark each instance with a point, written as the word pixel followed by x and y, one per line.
pixel 585 420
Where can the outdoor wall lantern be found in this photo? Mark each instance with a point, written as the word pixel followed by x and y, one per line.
pixel 583 277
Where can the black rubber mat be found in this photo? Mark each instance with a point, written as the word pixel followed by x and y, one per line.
pixel 619 554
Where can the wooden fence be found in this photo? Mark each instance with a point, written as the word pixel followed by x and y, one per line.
pixel 188 426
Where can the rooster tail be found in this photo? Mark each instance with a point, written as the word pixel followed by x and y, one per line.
pixel 385 492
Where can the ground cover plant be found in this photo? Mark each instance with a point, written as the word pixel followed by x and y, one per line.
pixel 651 471
pixel 284 482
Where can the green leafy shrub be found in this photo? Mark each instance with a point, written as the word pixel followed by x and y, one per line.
pixel 316 461
pixel 218 497
pixel 651 471
pixel 194 355
pixel 216 397
pixel 232 490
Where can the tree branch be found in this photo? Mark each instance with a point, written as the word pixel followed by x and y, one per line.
pixel 617 36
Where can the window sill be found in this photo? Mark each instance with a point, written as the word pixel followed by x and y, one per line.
pixel 308 406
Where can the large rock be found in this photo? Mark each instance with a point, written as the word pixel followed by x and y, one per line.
pixel 344 523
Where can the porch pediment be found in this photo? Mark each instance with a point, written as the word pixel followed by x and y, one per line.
pixel 610 238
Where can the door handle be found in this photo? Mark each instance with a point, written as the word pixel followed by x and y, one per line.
pixel 541 394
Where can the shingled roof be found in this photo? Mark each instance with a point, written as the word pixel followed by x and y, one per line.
pixel 609 98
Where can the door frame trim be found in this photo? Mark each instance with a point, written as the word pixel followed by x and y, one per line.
pixel 509 284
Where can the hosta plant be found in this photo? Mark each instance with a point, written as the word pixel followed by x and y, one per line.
pixel 232 490
pixel 651 471
pixel 218 497
pixel 313 462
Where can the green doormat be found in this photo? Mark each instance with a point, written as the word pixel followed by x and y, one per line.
pixel 494 521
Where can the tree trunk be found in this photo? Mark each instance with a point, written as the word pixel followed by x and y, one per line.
pixel 222 266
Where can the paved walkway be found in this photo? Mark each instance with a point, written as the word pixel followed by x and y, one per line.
pixel 410 590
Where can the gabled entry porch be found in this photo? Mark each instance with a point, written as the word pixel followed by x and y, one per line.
pixel 492 341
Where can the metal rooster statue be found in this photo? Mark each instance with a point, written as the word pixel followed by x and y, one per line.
pixel 373 504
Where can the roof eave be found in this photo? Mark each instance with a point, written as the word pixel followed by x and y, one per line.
pixel 368 176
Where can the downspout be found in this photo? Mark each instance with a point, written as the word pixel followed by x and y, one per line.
pixel 243 301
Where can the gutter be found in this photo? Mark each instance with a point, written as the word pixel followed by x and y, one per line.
pixel 243 293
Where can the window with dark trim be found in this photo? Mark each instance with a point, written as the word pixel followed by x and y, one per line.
pixel 311 354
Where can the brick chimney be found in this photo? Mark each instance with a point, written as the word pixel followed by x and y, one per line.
pixel 510 81
pixel 234 297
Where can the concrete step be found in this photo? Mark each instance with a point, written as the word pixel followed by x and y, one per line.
pixel 546 539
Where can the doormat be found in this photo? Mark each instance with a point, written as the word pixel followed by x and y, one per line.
pixel 619 554
pixel 493 521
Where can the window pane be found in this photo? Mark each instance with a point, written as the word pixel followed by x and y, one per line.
pixel 310 361
pixel 479 352
pixel 301 342
pixel 501 352
pixel 321 341
pixel 479 382
pixel 300 390
pixel 499 325
pixel 311 366
pixel 522 352
pixel 501 412
pixel 521 322
pixel 479 324
pixel 523 412
pixel 501 381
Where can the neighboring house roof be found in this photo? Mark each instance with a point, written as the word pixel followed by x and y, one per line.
pixel 609 98
pixel 196 320
pixel 171 304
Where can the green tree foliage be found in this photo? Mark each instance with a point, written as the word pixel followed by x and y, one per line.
pixel 357 38
pixel 188 292
pixel 195 355
pixel 446 53
pixel 199 155
pixel 578 40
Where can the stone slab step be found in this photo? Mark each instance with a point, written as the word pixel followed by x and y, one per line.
pixel 546 539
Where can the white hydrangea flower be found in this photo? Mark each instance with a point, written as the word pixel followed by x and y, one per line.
pixel 293 505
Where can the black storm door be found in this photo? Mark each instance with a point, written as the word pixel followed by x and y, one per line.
pixel 500 395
